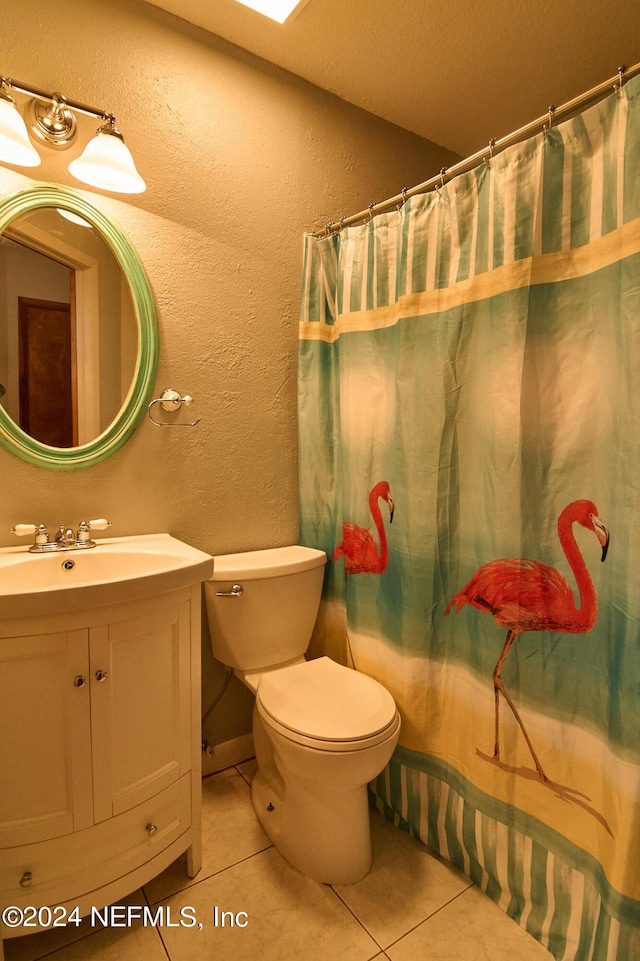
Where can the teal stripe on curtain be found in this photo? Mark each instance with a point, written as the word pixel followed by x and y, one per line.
pixel 553 196
pixel 546 867
pixel 469 430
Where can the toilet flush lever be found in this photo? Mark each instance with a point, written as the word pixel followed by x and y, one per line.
pixel 236 591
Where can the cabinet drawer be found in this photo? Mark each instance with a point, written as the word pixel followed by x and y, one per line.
pixel 66 867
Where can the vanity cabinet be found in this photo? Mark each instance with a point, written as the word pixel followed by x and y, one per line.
pixel 100 749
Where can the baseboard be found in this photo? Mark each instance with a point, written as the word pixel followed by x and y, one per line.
pixel 227 754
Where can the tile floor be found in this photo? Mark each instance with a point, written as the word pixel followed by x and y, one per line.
pixel 410 906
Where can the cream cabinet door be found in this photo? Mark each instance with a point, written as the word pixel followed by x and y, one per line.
pixel 45 737
pixel 140 707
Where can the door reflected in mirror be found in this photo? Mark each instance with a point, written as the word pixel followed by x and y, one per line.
pixel 68 329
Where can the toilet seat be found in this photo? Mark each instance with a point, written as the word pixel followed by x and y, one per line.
pixel 324 705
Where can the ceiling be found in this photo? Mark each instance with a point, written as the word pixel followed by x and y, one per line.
pixel 458 72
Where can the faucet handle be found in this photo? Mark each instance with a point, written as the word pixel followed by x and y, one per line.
pixel 83 539
pixel 21 530
pixel 100 524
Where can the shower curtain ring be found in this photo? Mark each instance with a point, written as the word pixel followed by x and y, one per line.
pixel 371 206
pixel 618 86
pixel 403 201
pixel 327 228
pixel 549 123
pixel 488 159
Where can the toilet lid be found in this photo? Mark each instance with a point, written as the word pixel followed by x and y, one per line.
pixel 324 700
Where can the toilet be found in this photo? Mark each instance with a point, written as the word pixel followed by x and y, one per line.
pixel 321 731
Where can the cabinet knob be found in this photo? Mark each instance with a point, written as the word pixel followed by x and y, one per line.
pixel 79 681
pixel 26 879
pixel 101 675
pixel 151 829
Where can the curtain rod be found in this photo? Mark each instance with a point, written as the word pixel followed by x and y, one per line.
pixel 552 117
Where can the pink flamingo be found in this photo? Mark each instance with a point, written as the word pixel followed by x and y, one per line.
pixel 358 546
pixel 525 595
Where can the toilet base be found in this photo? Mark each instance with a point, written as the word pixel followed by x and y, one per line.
pixel 313 805
pixel 327 838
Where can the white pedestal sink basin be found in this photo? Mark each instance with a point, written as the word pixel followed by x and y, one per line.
pixel 117 569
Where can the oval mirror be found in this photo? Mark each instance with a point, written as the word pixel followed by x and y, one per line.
pixel 78 330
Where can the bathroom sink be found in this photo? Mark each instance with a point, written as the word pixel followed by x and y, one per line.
pixel 117 569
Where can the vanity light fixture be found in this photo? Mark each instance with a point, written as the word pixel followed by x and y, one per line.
pixel 106 161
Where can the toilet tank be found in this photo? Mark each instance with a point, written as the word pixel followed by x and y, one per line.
pixel 271 621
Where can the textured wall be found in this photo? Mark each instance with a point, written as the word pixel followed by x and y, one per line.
pixel 240 158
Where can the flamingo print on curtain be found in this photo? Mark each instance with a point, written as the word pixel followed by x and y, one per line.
pixel 358 546
pixel 525 595
pixel 479 350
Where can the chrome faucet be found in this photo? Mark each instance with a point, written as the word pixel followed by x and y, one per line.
pixel 65 539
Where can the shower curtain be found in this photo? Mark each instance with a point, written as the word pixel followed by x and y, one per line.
pixel 469 369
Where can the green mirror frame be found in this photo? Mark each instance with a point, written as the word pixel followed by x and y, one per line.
pixel 12 437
